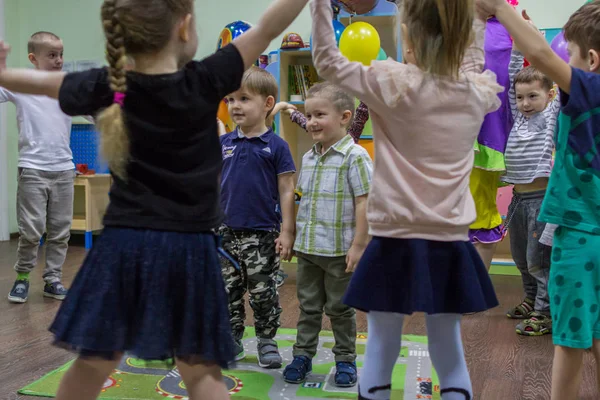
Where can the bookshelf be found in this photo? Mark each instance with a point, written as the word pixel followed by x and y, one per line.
pixel 384 17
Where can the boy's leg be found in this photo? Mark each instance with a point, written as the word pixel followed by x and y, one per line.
pixel 567 370
pixel 310 286
pixel 575 294
pixel 538 264
pixel 262 263
pixel 343 317
pixel 32 199
pixel 59 219
pixel 518 248
pixel 235 286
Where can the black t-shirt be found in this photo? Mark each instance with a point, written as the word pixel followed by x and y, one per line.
pixel 175 156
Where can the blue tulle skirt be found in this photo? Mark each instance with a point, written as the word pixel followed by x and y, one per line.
pixel 154 295
pixel 414 275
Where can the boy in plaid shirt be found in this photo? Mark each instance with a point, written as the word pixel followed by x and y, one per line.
pixel 331 231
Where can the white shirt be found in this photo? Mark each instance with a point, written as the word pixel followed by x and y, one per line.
pixel 44 132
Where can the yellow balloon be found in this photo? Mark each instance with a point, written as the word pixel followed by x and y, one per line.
pixel 360 42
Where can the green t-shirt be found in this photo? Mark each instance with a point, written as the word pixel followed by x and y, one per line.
pixel 573 195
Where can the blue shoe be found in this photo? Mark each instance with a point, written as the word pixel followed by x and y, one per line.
pixel 298 370
pixel 345 374
pixel 19 292
pixel 55 290
pixel 240 354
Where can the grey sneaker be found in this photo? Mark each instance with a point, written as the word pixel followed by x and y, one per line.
pixel 240 354
pixel 268 354
pixel 55 290
pixel 19 292
pixel 280 278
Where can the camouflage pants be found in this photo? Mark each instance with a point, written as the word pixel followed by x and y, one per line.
pixel 255 253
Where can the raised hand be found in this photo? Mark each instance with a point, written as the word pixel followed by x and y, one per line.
pixel 489 7
pixel 4 50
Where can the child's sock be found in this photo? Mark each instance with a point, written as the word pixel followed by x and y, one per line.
pixel 23 276
pixel 447 355
pixel 383 347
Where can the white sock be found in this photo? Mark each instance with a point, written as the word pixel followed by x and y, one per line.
pixel 447 355
pixel 383 348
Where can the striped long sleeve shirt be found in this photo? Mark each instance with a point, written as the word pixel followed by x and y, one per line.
pixel 530 145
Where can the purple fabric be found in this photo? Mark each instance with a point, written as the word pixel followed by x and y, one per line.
pixel 486 236
pixel 497 125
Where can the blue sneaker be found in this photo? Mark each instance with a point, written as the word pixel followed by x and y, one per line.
pixel 55 290
pixel 19 292
pixel 345 374
pixel 298 370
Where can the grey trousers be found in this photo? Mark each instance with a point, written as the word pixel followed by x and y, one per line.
pixel 44 204
pixel 531 256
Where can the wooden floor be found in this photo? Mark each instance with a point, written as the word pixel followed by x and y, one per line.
pixel 503 365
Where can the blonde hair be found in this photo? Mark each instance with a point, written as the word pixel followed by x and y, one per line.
pixel 341 100
pixel 529 75
pixel 258 81
pixel 37 39
pixel 131 27
pixel 440 32
pixel 583 28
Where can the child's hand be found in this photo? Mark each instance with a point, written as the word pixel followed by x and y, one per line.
pixel 489 7
pixel 282 106
pixel 4 50
pixel 283 246
pixel 221 127
pixel 353 257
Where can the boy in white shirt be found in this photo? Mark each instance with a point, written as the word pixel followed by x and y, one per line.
pixel 46 175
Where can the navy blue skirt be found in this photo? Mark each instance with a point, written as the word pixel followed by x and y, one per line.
pixel 415 275
pixel 154 295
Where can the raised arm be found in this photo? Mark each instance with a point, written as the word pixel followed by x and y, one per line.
pixel 353 77
pixel 360 119
pixel 273 22
pixel 533 45
pixel 514 66
pixel 474 57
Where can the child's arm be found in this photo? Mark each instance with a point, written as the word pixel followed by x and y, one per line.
pixel 359 175
pixel 361 235
pixel 533 46
pixel 32 81
pixel 285 242
pixel 474 57
pixel 514 67
pixel 221 127
pixel 278 17
pixel 331 65
pixel 360 119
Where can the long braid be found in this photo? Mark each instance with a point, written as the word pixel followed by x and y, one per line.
pixel 111 123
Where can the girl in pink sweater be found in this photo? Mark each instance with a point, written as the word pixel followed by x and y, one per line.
pixel 426 115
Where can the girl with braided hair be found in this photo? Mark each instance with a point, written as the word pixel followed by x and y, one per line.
pixel 152 284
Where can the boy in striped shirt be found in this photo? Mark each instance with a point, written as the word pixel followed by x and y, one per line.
pixel 535 106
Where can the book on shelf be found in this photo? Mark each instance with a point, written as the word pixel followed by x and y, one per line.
pixel 301 79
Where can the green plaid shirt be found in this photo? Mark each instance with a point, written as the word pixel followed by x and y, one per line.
pixel 328 183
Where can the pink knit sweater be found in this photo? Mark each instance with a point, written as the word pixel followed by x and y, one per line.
pixel 424 128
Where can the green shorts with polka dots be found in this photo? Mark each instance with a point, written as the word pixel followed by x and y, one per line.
pixel 574 288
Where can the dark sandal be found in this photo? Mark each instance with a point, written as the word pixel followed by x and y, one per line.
pixel 522 311
pixel 345 374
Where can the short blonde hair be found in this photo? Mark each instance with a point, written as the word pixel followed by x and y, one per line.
pixel 37 39
pixel 341 100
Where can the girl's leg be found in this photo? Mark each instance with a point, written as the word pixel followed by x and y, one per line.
pixel 383 347
pixel 566 372
pixel 203 381
pixel 447 355
pixel 85 379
